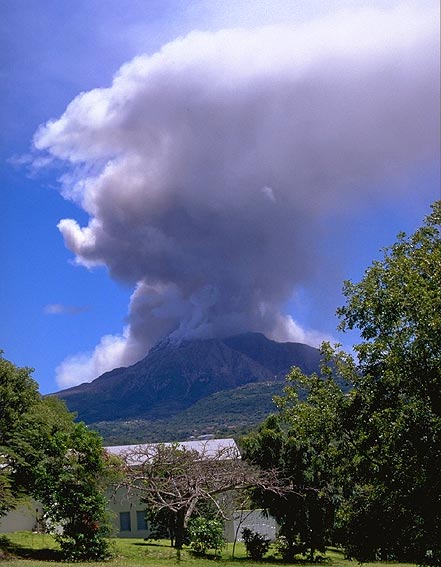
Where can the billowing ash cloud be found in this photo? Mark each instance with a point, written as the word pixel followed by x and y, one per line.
pixel 207 167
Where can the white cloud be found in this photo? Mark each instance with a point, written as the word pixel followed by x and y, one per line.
pixel 84 367
pixel 61 309
pixel 287 329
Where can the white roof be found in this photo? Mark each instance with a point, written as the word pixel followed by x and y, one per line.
pixel 208 448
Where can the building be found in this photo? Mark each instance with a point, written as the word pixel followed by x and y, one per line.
pixel 25 518
pixel 129 514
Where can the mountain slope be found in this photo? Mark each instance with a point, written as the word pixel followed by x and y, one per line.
pixel 171 378
pixel 228 413
pixel 276 357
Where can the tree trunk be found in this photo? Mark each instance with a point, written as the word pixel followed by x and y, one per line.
pixel 172 528
pixel 180 528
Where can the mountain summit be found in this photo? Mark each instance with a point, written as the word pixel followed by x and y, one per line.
pixel 173 377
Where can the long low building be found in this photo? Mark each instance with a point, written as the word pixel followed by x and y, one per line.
pixel 25 518
pixel 129 514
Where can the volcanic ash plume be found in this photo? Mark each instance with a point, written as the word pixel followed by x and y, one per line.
pixel 207 167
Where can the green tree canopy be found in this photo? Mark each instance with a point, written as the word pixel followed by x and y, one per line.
pixel 397 309
pixel 47 456
pixel 393 423
pixel 371 454
pixel 18 396
pixel 302 442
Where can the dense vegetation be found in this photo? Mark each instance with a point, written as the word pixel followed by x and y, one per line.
pixel 365 464
pixel 47 456
pixel 225 414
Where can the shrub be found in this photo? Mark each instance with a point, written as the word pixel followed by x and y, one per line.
pixel 206 534
pixel 256 544
pixel 288 548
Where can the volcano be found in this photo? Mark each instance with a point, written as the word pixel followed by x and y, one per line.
pixel 174 376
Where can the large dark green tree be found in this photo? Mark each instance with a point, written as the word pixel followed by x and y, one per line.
pixel 18 397
pixel 393 423
pixel 47 456
pixel 372 455
pixel 302 442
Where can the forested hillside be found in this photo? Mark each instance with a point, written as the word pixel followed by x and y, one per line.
pixel 227 413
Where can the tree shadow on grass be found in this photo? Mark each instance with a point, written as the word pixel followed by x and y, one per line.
pixel 8 550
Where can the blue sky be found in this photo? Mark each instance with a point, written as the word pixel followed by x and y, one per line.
pixel 218 231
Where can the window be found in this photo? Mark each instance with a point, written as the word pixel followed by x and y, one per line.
pixel 124 522
pixel 141 522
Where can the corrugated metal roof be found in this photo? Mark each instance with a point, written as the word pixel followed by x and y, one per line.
pixel 208 448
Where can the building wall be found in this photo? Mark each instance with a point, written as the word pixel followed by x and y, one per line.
pixel 255 520
pixel 25 518
pixel 128 515
pixel 128 519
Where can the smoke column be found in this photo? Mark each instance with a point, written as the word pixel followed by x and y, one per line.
pixel 207 167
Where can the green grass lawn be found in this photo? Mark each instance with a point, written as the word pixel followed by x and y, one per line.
pixel 40 550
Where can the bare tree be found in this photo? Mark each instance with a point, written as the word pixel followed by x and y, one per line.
pixel 175 478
